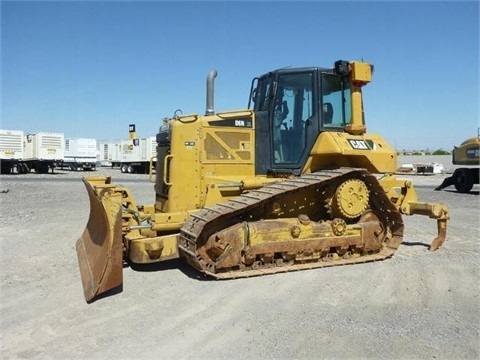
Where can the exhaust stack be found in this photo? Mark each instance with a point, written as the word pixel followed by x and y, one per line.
pixel 210 82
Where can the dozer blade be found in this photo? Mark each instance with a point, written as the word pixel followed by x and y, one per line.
pixel 100 249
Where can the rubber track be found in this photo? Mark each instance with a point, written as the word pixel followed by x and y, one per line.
pixel 201 225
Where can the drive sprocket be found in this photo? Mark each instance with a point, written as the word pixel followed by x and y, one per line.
pixel 350 200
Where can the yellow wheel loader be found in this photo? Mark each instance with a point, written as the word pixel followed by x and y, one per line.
pixel 468 154
pixel 292 182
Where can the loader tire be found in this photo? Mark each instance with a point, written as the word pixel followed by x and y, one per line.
pixel 463 180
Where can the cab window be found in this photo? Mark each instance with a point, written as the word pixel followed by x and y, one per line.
pixel 293 107
pixel 335 107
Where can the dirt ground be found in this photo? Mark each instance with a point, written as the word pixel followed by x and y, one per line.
pixel 416 305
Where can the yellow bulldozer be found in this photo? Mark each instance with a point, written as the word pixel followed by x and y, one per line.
pixel 292 182
pixel 467 154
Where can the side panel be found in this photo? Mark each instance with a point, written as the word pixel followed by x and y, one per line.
pixel 181 178
pixel 228 156
pixel 337 149
pixel 204 159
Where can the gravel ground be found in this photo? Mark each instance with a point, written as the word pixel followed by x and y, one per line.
pixel 416 305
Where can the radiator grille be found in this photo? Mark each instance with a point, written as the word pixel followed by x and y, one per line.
pixel 12 142
pixel 105 152
pixel 51 141
pixel 227 146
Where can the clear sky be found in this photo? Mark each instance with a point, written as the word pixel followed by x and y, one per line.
pixel 90 68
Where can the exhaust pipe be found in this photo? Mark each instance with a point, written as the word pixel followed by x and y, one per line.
pixel 210 81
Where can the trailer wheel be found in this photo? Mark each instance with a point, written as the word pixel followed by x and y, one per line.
pixel 130 169
pixel 123 168
pixel 23 168
pixel 463 180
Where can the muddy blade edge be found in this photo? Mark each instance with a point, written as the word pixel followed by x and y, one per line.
pixel 99 249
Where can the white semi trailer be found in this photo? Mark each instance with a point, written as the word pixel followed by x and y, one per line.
pixel 80 154
pixel 11 152
pixel 108 153
pixel 43 151
pixel 138 154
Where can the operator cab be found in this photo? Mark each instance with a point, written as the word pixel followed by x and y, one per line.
pixel 292 107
